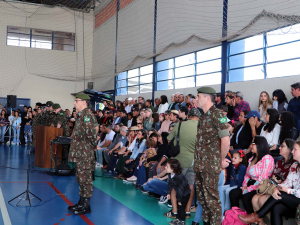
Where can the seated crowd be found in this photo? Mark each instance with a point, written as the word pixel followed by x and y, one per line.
pixel 136 139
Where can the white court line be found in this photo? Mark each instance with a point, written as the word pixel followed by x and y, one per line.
pixel 3 208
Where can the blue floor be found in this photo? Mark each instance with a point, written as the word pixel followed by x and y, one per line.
pixel 53 209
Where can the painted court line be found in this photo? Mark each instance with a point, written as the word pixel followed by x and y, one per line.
pixel 3 208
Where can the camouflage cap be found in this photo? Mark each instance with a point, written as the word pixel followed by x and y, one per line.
pixel 49 103
pixel 206 90
pixel 83 96
pixel 194 112
pixel 56 106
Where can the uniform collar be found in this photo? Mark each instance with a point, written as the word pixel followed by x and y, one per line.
pixel 210 111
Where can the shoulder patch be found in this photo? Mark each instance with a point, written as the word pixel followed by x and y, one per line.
pixel 86 119
pixel 61 114
pixel 223 120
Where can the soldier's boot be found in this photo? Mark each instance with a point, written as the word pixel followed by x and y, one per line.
pixel 93 175
pixel 77 206
pixel 206 223
pixel 85 209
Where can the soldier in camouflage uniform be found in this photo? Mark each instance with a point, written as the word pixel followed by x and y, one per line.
pixel 62 121
pixel 35 122
pixel 212 146
pixel 48 115
pixel 83 145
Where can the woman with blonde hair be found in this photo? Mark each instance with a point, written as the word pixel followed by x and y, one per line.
pixel 265 102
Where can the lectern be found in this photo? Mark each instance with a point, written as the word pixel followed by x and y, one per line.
pixel 44 135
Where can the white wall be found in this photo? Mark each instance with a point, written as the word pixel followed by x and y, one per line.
pixel 39 74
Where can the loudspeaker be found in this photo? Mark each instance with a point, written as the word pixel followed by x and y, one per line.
pixel 63 170
pixel 90 85
pixel 11 101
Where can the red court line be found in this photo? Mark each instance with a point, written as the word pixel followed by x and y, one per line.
pixel 85 219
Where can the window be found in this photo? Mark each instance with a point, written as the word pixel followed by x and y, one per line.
pixel 135 81
pixel 38 38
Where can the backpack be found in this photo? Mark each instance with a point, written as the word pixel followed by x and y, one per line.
pixel 173 149
pixel 231 216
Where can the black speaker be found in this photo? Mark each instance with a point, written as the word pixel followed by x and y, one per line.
pixel 11 101
pixel 63 170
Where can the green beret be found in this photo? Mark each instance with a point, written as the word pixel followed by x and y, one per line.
pixel 83 96
pixel 56 106
pixel 206 90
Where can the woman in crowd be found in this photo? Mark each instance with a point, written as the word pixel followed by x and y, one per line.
pixel 280 173
pixel 285 198
pixel 287 127
pixel 189 101
pixel 148 104
pixel 164 105
pixel 229 99
pixel 166 123
pixel 260 167
pixel 156 122
pixel 3 124
pixel 280 101
pixel 271 130
pixel 27 128
pixel 148 119
pixel 242 136
pixel 130 118
pixel 265 102
pixel 172 102
pixel 143 114
pixel 16 122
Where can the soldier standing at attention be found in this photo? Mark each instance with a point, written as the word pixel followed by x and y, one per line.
pixel 61 121
pixel 83 144
pixel 212 146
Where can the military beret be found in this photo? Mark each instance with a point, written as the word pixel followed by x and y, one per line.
pixel 194 112
pixel 206 90
pixel 56 106
pixel 83 96
pixel 49 103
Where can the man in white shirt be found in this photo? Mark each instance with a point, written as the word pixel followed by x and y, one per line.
pixel 102 146
pixel 128 108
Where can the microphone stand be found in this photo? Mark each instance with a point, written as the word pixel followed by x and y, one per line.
pixel 27 192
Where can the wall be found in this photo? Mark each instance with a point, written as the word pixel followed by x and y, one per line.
pixel 250 89
pixel 41 74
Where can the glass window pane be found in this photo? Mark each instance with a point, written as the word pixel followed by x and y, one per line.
pixel 208 67
pixel 185 60
pixel 167 64
pixel 146 79
pixel 122 76
pixel 41 38
pixel 121 91
pixel 64 41
pixel 185 71
pixel 133 81
pixel 247 59
pixel 185 82
pixel 209 79
pixel 165 75
pixel 145 88
pixel 283 35
pixel 121 83
pixel 64 34
pixel 146 69
pixel 250 73
pixel 281 69
pixel 43 45
pixel 133 73
pixel 63 47
pixel 165 85
pixel 23 37
pixel 42 32
pixel 14 42
pixel 209 54
pixel 133 90
pixel 282 52
pixel 20 30
pixel 247 44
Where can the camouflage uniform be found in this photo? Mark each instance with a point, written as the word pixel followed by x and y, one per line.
pixel 35 122
pixel 83 144
pixel 212 126
pixel 62 119
pixel 51 119
pixel 44 118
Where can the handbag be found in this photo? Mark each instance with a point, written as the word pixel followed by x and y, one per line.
pixel 174 150
pixel 265 187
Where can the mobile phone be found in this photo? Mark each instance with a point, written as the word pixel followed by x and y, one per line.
pixel 275 183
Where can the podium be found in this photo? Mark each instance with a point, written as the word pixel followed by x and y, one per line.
pixel 44 135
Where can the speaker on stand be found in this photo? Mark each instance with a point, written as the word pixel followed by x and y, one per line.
pixel 11 101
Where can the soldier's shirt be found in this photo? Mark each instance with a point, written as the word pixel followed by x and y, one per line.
pixel 212 126
pixel 62 119
pixel 84 138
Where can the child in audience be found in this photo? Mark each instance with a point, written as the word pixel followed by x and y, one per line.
pixel 179 183
pixel 237 171
pixel 265 102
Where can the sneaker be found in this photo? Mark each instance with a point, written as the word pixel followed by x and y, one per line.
pixel 170 204
pixel 170 214
pixel 13 143
pixel 163 199
pixel 187 215
pixel 108 174
pixel 143 190
pixel 17 143
pixel 133 178
pixel 99 165
pixel 180 223
pixel 174 222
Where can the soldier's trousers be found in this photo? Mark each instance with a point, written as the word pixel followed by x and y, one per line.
pixel 208 196
pixel 84 178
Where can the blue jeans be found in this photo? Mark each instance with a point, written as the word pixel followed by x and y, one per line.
pixel 220 184
pixel 157 186
pixel 16 134
pixel 27 136
pixel 2 133
pixel 224 197
pixel 141 177
pixel 199 212
pixel 99 155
